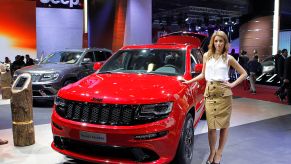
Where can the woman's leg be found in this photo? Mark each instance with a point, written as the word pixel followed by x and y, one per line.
pixel 252 82
pixel 212 143
pixel 222 141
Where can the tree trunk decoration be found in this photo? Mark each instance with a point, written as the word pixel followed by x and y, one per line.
pixel 6 79
pixel 5 84
pixel 6 92
pixel 22 113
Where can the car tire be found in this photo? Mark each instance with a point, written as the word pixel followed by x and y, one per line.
pixel 68 82
pixel 184 152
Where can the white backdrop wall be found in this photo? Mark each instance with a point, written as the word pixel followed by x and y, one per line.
pixel 58 29
pixel 285 40
pixel 138 23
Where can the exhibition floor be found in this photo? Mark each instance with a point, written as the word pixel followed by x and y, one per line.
pixel 260 133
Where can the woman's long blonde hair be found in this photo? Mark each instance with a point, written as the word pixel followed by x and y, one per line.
pixel 211 48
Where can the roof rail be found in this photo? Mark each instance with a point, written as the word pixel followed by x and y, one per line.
pixel 167 43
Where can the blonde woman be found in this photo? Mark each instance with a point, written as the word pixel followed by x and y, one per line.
pixel 218 94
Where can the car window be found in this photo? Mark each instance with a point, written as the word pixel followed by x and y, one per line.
pixel 158 61
pixel 62 57
pixel 107 54
pixel 119 63
pixel 100 55
pixel 89 57
pixel 193 62
pixel 269 59
pixel 196 58
pixel 198 55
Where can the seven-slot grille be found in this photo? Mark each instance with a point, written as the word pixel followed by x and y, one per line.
pixel 105 114
pixel 35 77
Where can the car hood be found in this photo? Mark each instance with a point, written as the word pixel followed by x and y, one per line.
pixel 45 68
pixel 124 89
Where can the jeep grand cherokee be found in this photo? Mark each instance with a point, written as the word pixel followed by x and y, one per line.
pixel 61 68
pixel 134 109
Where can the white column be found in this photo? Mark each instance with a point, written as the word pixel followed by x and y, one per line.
pixel 285 40
pixel 138 23
pixel 85 16
pixel 276 25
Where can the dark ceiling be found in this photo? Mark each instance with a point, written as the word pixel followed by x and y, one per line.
pixel 215 13
pixel 198 12
pixel 235 5
pixel 218 10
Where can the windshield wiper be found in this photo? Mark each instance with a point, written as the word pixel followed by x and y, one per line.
pixel 105 72
pixel 161 73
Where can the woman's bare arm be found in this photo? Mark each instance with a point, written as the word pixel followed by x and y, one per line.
pixel 239 69
pixel 201 75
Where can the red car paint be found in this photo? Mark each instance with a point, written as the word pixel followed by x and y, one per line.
pixel 183 37
pixel 120 91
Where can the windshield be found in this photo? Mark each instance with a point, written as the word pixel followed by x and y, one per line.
pixel 157 61
pixel 268 61
pixel 62 57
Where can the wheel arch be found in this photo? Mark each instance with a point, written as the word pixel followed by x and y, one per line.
pixel 192 112
pixel 70 79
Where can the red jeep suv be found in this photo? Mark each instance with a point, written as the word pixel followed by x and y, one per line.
pixel 133 109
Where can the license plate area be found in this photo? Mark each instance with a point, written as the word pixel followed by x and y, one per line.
pixel 94 137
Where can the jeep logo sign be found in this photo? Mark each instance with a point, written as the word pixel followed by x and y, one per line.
pixel 70 4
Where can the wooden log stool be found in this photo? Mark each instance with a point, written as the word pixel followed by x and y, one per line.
pixel 5 83
pixel 6 92
pixel 22 113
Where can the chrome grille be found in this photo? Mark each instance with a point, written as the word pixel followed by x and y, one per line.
pixel 85 114
pixel 35 77
pixel 104 114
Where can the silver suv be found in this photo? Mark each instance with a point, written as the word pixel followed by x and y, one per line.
pixel 61 68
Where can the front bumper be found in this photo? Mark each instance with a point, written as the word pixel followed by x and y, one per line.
pixel 46 91
pixel 121 145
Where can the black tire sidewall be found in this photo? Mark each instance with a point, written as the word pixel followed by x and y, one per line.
pixel 180 155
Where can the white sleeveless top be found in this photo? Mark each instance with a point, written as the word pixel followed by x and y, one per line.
pixel 217 70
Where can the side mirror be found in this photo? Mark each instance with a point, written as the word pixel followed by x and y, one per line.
pixel 198 68
pixel 36 61
pixel 97 66
pixel 86 60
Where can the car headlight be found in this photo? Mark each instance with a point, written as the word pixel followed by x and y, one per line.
pixel 268 68
pixel 60 106
pixel 154 111
pixel 49 76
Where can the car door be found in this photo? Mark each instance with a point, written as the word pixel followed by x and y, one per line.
pixel 199 86
pixel 87 63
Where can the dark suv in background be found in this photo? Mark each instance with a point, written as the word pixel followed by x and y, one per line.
pixel 269 65
pixel 61 68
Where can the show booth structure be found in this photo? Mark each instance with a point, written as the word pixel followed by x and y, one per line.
pixel 111 24
pixel 58 26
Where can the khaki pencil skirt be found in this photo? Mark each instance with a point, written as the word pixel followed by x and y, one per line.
pixel 218 105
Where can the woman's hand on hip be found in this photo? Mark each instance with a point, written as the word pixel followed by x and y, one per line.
pixel 227 84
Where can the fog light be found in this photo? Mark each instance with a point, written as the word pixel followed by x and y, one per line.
pixel 48 85
pixel 57 126
pixel 151 135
